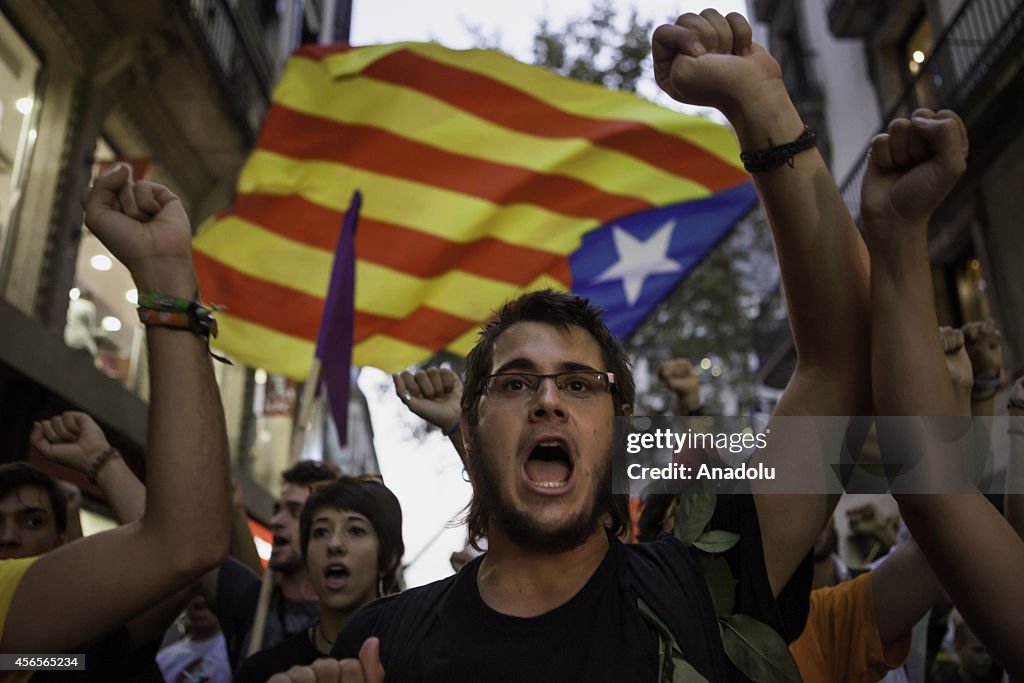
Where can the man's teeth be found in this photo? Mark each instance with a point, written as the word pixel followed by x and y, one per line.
pixel 550 484
pixel 554 444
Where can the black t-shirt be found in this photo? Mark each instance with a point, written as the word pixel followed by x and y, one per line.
pixel 599 634
pixel 294 651
pixel 238 592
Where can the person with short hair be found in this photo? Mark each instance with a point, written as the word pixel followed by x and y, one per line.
pixel 233 590
pixel 351 540
pixel 33 512
pixel 202 654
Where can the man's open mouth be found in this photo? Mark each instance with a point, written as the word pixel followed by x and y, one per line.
pixel 549 466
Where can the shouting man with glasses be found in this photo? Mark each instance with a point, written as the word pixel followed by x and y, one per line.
pixel 557 597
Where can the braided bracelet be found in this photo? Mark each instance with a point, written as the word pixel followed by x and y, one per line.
pixel 101 460
pixel 774 156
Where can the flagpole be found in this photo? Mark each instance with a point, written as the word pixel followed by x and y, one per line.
pixel 305 405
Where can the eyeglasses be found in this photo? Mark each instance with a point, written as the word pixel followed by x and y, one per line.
pixel 578 385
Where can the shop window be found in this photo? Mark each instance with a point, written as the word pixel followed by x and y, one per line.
pixel 968 289
pixel 19 108
pixel 101 320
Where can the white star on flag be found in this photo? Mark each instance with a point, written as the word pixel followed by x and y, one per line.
pixel 639 259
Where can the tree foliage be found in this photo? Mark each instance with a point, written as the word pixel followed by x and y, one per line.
pixel 596 49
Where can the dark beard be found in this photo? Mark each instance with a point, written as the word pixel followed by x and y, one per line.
pixel 523 530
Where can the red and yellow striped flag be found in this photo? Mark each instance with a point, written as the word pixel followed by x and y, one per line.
pixel 480 175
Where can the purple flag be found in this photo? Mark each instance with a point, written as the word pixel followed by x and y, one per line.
pixel 334 342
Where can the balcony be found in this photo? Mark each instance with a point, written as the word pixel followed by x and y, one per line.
pixel 957 74
pixel 232 35
pixel 852 18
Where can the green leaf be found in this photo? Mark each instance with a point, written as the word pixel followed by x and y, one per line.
pixel 721 584
pixel 647 613
pixel 683 672
pixel 716 541
pixel 757 650
pixel 692 515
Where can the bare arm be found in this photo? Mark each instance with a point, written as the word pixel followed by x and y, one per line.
pixel 73 532
pixel 903 588
pixel 965 539
pixel 823 260
pixel 85 589
pixel 73 439
pixel 680 377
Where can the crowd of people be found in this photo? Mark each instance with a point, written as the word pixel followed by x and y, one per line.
pixel 570 587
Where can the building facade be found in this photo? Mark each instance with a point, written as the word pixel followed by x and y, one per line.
pixel 177 89
pixel 854 65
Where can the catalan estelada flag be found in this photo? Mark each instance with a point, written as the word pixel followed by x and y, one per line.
pixel 481 178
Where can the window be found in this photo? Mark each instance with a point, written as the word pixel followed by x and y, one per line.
pixel 19 107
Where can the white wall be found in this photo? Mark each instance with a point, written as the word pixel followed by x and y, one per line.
pixel 850 102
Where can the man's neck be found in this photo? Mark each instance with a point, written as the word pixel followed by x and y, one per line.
pixel 521 583
pixel 295 586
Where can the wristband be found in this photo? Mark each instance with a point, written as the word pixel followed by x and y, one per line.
pixel 195 318
pixel 163 302
pixel 101 460
pixel 451 430
pixel 198 321
pixel 774 156
pixel 988 382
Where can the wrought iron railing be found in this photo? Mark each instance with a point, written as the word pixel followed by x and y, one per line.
pixel 975 40
pixel 232 36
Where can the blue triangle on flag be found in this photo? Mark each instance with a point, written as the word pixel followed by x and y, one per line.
pixel 631 263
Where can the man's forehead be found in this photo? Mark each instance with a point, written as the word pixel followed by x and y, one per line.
pixel 293 493
pixel 26 498
pixel 541 345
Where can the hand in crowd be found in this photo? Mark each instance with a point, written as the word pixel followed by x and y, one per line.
pixel 911 169
pixel 72 494
pixel 72 439
pixel 1015 405
pixel 681 378
pixel 865 521
pixel 984 343
pixel 434 394
pixel 959 365
pixel 145 227
pixel 710 60
pixel 366 669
